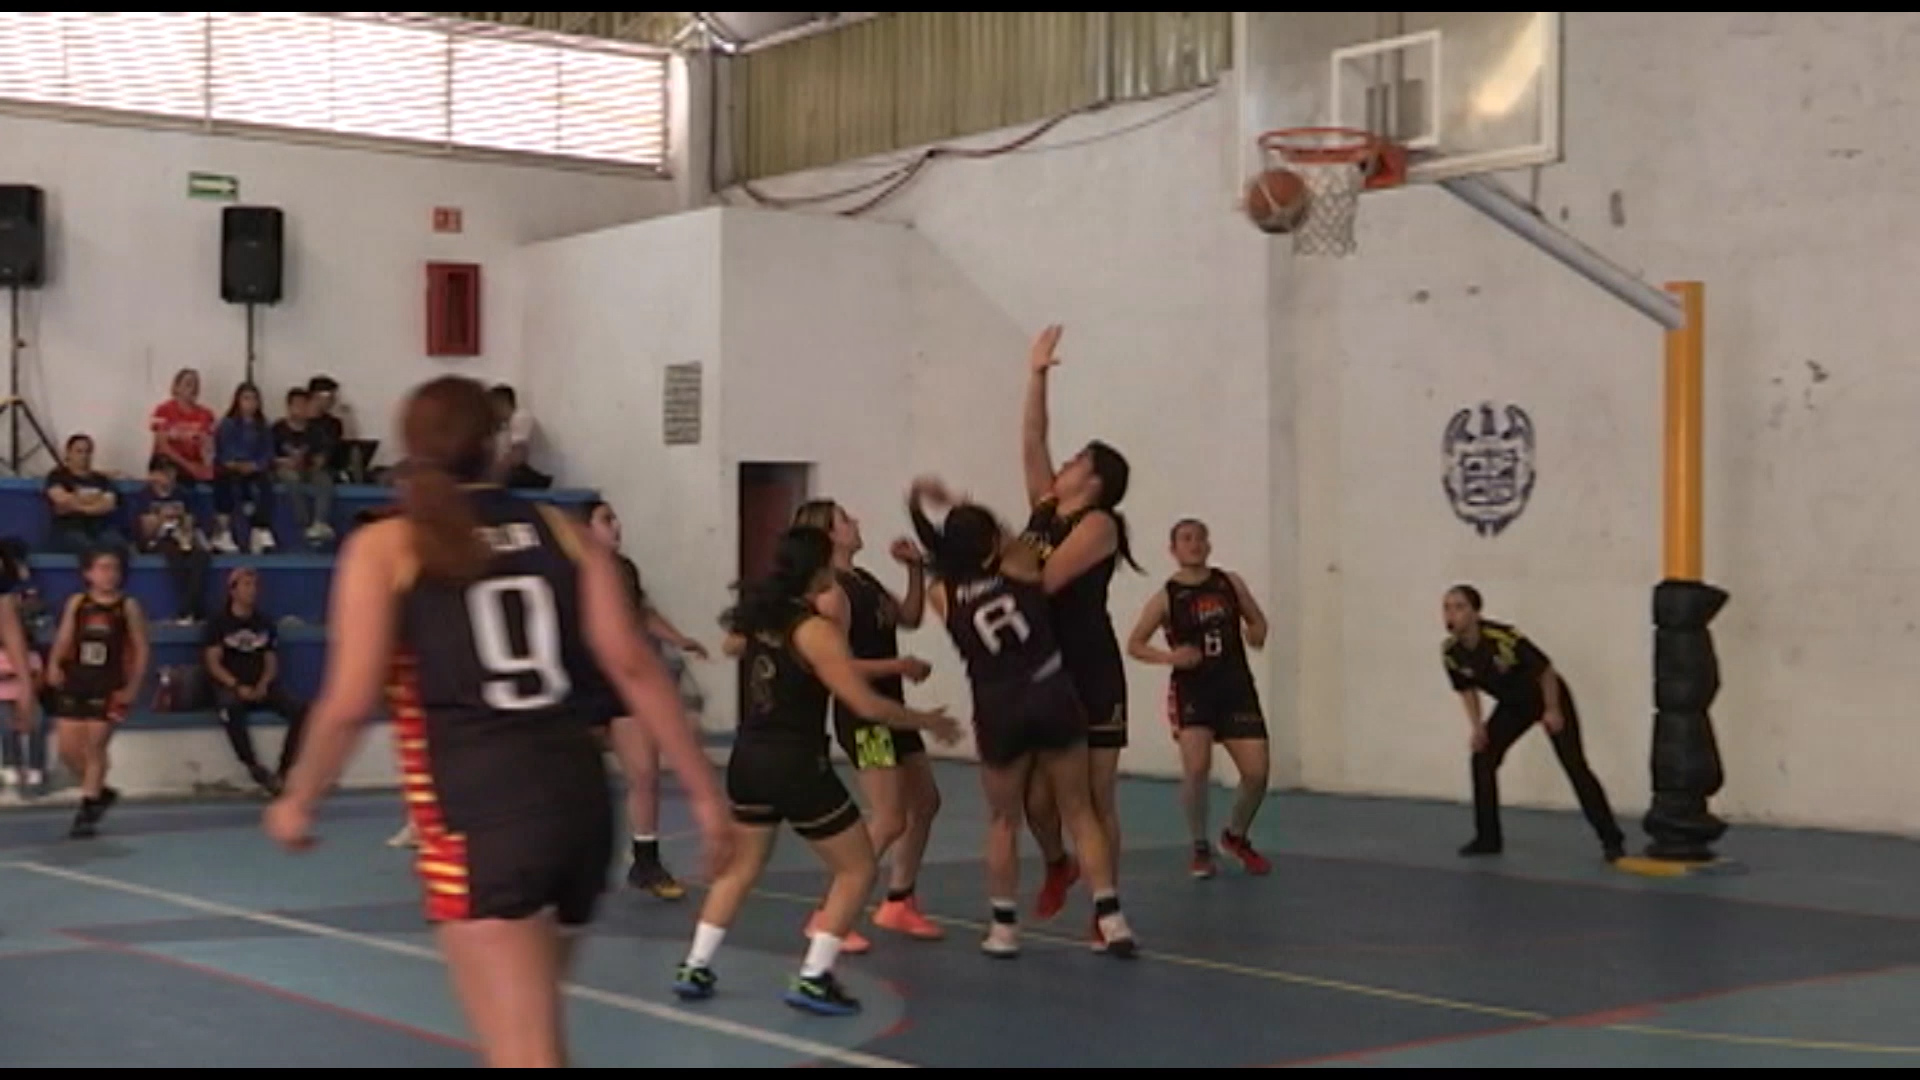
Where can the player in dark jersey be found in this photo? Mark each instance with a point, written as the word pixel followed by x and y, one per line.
pixel 1026 713
pixel 498 610
pixel 1209 619
pixel 632 745
pixel 891 766
pixel 1483 655
pixel 1082 538
pixel 793 660
pixel 99 656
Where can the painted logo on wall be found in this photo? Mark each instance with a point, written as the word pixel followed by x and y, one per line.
pixel 1488 450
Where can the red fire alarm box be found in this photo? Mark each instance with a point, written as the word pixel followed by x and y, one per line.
pixel 453 309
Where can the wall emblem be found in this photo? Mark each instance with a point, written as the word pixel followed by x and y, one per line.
pixel 1489 469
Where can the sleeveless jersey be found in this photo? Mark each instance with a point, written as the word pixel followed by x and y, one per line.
pixel 1003 631
pixel 871 627
pixel 1206 616
pixel 494 675
pixel 97 666
pixel 786 704
pixel 1081 620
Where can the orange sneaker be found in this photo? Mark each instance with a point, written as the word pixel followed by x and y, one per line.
pixel 904 917
pixel 1053 893
pixel 853 944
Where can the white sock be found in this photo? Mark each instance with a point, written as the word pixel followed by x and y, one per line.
pixel 706 941
pixel 647 839
pixel 822 951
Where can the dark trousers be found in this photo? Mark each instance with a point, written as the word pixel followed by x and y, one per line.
pixel 188 567
pixel 236 717
pixel 232 491
pixel 1504 728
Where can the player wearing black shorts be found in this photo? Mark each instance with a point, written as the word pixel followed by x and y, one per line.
pixel 1483 655
pixel 1077 528
pixel 1209 619
pixel 493 612
pixel 793 659
pixel 639 758
pixel 890 766
pixel 1026 713
pixel 99 656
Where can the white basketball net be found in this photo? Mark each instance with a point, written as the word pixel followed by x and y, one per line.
pixel 1333 187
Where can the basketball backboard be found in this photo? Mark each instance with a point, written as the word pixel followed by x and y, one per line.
pixel 1468 92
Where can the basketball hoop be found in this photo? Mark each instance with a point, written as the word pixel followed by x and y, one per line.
pixel 1336 164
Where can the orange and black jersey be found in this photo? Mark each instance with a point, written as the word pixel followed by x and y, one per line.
pixel 96 665
pixel 494 677
pixel 1503 663
pixel 786 703
pixel 1206 616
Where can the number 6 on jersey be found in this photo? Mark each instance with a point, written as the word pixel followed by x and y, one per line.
pixel 532 677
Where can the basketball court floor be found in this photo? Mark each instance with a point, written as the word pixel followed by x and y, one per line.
pixel 1371 944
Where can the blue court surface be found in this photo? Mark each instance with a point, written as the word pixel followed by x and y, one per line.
pixel 180 938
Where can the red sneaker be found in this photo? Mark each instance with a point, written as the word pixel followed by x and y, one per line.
pixel 1202 866
pixel 1240 848
pixel 1053 894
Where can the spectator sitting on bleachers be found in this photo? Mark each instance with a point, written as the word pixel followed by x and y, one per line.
pixel 245 669
pixel 514 444
pixel 166 527
pixel 183 431
pixel 327 418
pixel 300 465
pixel 243 473
pixel 82 502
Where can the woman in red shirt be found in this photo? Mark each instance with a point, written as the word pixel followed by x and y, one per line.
pixel 183 430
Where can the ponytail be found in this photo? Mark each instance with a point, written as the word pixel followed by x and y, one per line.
pixel 1123 540
pixel 444 536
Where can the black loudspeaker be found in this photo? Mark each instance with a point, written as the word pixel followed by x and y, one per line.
pixel 23 237
pixel 251 254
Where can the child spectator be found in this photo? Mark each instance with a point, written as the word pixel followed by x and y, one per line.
pixel 166 528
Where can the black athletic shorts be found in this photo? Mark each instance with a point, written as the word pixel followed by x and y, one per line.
pixel 558 860
pixel 873 746
pixel 1013 720
pixel 70 706
pixel 1103 697
pixel 769 783
pixel 1228 716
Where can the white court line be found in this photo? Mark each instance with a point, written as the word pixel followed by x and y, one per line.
pixel 795 1044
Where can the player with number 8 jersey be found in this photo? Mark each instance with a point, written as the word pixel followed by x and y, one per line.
pixel 493 615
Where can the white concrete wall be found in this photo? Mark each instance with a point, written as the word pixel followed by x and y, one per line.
pixel 134 289
pixel 1300 406
pixel 607 312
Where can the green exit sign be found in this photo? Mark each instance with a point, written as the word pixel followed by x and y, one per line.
pixel 202 185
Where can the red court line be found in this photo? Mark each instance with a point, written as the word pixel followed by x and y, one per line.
pixel 267 988
pixel 1633 1013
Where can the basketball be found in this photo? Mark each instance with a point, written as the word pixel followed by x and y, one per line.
pixel 1277 200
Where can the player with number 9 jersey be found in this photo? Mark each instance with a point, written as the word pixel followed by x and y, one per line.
pixel 489 615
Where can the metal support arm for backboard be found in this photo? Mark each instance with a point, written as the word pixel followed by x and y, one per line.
pixel 1493 199
pixel 1686 673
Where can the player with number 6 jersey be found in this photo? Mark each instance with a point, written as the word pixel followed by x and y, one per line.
pixel 492 614
pixel 1027 716
pixel 1210 618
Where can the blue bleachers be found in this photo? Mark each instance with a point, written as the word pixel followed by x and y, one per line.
pixel 294 583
